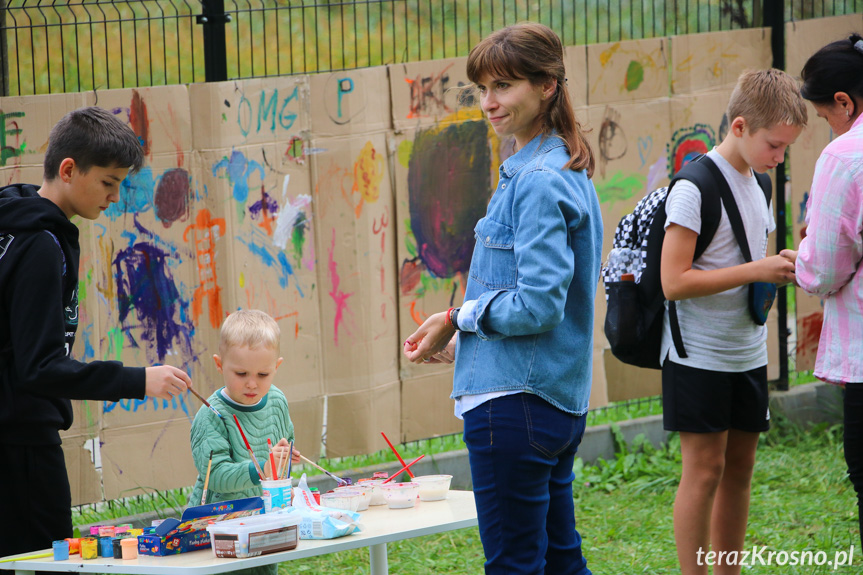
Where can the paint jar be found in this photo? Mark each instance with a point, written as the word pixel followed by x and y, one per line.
pixel 61 550
pixel 156 522
pixel 277 494
pixel 120 530
pixel 94 530
pixel 106 531
pixel 74 544
pixel 117 547
pixel 380 475
pixel 135 532
pixel 106 547
pixel 130 547
pixel 89 548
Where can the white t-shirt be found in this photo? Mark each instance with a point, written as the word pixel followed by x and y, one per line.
pixel 717 331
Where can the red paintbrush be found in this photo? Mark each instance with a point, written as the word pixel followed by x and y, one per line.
pixel 249 447
pixel 405 468
pixel 402 461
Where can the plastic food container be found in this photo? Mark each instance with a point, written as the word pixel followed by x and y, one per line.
pixel 255 535
pixel 433 487
pixel 365 494
pixel 374 485
pixel 347 499
pixel 400 495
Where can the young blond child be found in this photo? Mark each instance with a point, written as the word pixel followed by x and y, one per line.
pixel 716 396
pixel 248 359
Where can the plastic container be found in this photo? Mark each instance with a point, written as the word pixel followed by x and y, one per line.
pixel 347 499
pixel 61 550
pixel 276 494
pixel 400 495
pixel 129 546
pixel 433 487
pixel 377 493
pixel 89 548
pixel 106 547
pixel 74 544
pixel 365 492
pixel 117 547
pixel 255 535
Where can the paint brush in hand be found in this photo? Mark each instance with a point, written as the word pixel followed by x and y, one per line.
pixel 207 480
pixel 313 464
pixel 207 403
pixel 249 447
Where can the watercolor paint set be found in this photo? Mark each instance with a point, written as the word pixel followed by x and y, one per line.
pixel 189 533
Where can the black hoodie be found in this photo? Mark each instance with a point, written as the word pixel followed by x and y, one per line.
pixel 38 319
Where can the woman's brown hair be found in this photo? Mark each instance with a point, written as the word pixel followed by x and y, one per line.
pixel 533 52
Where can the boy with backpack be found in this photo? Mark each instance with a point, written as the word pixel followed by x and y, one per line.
pixel 715 392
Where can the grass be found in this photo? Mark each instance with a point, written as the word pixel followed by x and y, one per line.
pixel 801 501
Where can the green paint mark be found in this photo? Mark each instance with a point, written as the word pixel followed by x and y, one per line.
pixel 634 75
pixel 298 237
pixel 404 152
pixel 619 187
pixel 115 344
pixel 8 151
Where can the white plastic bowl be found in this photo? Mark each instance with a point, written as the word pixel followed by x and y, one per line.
pixel 347 500
pixel 365 494
pixel 374 486
pixel 433 487
pixel 400 495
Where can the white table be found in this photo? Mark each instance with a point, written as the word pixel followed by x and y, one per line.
pixel 380 526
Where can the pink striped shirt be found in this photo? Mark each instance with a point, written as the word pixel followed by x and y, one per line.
pixel 829 258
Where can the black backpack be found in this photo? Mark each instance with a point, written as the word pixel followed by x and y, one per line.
pixel 634 316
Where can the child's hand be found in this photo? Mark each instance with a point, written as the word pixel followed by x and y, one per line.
pixel 166 381
pixel 777 269
pixel 790 255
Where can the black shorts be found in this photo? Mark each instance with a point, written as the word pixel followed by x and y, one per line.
pixel 704 401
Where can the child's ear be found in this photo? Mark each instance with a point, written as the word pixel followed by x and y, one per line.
pixel 278 362
pixel 67 167
pixel 218 361
pixel 738 126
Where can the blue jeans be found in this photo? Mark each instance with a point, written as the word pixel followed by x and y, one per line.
pixel 521 452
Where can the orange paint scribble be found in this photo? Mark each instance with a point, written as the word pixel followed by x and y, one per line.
pixel 415 315
pixel 206 230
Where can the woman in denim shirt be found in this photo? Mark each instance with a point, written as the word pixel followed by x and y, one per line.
pixel 523 356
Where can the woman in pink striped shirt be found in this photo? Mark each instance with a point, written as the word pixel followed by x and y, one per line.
pixel 829 257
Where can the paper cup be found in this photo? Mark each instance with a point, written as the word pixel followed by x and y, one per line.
pixel 277 494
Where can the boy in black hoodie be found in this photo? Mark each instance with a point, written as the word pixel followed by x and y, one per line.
pixel 89 153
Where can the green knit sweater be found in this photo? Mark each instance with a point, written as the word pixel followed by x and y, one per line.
pixel 233 476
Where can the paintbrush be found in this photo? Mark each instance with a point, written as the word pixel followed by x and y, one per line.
pixel 207 403
pixel 249 447
pixel 34 556
pixel 207 480
pixel 290 458
pixel 313 464
pixel 402 461
pixel 405 468
pixel 273 469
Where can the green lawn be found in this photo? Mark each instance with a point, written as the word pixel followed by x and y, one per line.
pixel 802 501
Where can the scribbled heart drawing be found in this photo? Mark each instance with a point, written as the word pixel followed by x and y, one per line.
pixel 644 147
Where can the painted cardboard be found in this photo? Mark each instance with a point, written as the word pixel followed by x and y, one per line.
pixel 575 62
pixel 349 102
pixel 426 93
pixel 359 327
pixel 628 70
pixel 84 479
pixel 714 60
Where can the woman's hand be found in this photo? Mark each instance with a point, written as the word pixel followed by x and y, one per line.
pixel 429 343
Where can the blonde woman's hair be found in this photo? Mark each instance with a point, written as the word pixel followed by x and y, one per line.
pixel 533 52
pixel 767 98
pixel 251 328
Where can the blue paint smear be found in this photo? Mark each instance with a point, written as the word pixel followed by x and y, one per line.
pixel 273 257
pixel 135 405
pixel 239 170
pixel 136 194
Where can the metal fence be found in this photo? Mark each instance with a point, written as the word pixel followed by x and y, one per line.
pixel 49 46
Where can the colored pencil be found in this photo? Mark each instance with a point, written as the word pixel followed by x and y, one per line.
pixel 313 464
pixel 205 402
pixel 249 447
pixel 207 480
pixel 405 468
pixel 402 461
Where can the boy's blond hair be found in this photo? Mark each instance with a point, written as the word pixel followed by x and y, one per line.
pixel 251 328
pixel 767 98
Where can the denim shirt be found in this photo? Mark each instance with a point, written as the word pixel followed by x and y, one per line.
pixel 533 277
